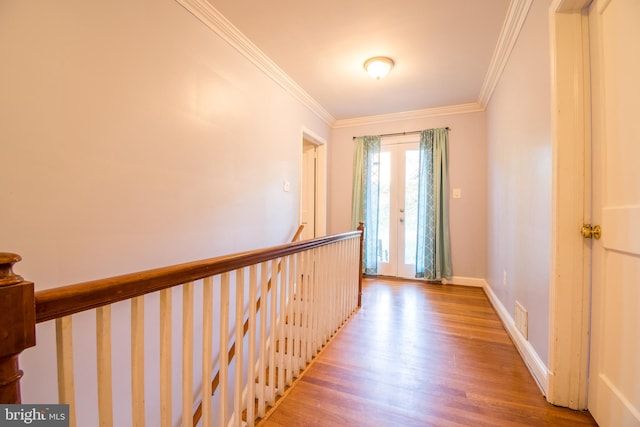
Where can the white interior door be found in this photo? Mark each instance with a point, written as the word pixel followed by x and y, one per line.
pixel 397 221
pixel 614 370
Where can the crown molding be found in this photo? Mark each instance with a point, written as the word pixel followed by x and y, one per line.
pixel 214 20
pixel 472 107
pixel 511 28
pixel 568 6
pixel 220 25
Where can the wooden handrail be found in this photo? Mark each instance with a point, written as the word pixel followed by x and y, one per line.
pixel 296 236
pixel 66 300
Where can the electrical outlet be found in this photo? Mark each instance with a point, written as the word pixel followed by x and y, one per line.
pixel 522 320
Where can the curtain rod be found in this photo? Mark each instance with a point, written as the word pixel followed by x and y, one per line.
pixel 401 133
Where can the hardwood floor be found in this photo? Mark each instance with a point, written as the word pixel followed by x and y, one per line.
pixel 420 355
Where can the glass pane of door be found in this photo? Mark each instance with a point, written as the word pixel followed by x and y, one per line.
pixel 387 215
pixel 409 224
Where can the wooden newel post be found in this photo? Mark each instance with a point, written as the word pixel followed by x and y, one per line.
pixel 17 326
pixel 361 228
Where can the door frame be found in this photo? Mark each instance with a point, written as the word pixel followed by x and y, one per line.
pixel 570 281
pixel 321 181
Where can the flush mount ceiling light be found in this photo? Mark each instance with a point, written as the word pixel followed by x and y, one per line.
pixel 378 67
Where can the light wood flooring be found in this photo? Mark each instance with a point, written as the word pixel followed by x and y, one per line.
pixel 420 355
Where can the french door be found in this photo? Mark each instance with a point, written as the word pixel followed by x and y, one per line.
pixel 398 209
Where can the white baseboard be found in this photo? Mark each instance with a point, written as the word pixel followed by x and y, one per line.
pixel 465 281
pixel 535 365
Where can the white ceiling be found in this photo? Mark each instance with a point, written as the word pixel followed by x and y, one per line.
pixel 442 49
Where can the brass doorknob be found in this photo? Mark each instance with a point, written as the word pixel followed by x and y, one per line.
pixel 591 232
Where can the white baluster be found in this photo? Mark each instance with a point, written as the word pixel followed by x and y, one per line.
pixel 64 349
pixel 224 347
pixel 166 367
pixel 137 361
pixel 290 313
pixel 273 308
pixel 296 304
pixel 187 354
pixel 262 352
pixel 251 358
pixel 103 352
pixel 238 384
pixel 207 349
pixel 282 314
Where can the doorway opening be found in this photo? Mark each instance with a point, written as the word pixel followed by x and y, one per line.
pixel 313 186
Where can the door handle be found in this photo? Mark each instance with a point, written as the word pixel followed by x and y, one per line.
pixel 591 232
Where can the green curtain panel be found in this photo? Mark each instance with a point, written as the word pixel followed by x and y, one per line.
pixel 433 250
pixel 365 196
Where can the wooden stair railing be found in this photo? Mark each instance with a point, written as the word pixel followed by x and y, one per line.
pixel 197 415
pixel 21 309
pixel 17 326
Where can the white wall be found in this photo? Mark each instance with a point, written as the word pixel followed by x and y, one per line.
pixel 133 137
pixel 519 179
pixel 467 152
